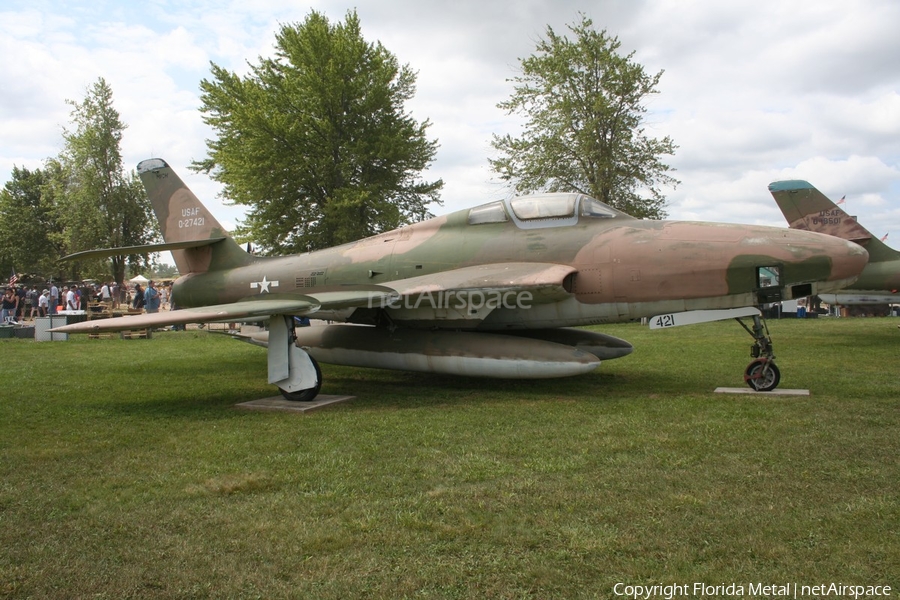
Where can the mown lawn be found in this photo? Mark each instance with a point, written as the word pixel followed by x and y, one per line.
pixel 125 472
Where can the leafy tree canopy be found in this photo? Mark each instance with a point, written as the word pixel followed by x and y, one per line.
pixel 584 111
pixel 97 203
pixel 28 225
pixel 315 141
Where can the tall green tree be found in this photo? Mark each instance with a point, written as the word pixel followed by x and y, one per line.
pixel 315 141
pixel 99 204
pixel 583 106
pixel 29 228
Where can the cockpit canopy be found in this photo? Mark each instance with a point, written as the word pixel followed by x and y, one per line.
pixel 543 210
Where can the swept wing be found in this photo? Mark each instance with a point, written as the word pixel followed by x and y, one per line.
pixel 234 311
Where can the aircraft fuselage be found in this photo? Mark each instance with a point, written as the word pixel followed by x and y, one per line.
pixel 623 269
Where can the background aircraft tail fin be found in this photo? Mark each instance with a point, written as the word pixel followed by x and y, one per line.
pixel 183 218
pixel 807 208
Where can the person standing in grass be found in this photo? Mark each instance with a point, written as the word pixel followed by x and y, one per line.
pixel 8 310
pixel 34 298
pixel 106 295
pixel 71 300
pixel 44 303
pixel 151 298
pixel 22 296
pixel 54 298
pixel 138 302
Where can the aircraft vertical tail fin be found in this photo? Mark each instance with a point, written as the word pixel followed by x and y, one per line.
pixel 807 208
pixel 184 219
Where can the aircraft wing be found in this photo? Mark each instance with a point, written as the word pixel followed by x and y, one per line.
pixel 234 311
pixel 544 281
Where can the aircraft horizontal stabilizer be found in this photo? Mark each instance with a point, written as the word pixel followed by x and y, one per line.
pixel 235 311
pixel 145 249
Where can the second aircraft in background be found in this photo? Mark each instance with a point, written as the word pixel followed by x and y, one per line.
pixel 808 209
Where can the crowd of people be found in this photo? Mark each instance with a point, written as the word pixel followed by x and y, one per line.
pixel 25 303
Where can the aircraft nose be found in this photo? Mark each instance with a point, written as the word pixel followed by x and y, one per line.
pixel 829 261
pixel 847 260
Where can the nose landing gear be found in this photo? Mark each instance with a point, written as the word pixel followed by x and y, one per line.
pixel 762 374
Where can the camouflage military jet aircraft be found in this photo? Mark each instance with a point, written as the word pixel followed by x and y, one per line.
pixel 808 209
pixel 490 291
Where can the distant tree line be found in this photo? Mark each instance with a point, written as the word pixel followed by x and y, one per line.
pixel 317 144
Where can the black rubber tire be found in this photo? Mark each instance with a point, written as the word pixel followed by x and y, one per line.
pixel 762 381
pixel 306 395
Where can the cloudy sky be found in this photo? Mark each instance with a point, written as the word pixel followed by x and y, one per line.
pixel 753 91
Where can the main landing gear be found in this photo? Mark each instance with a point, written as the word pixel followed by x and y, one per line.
pixel 291 368
pixel 309 394
pixel 762 374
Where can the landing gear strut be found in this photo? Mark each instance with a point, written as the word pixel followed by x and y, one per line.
pixel 291 368
pixel 762 374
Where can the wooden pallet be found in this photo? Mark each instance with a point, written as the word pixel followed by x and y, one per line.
pixel 136 334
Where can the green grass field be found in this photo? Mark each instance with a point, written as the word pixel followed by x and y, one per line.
pixel 126 472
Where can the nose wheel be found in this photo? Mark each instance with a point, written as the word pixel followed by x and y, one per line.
pixel 762 374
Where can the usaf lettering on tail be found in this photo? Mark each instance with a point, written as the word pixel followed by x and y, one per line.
pixel 492 291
